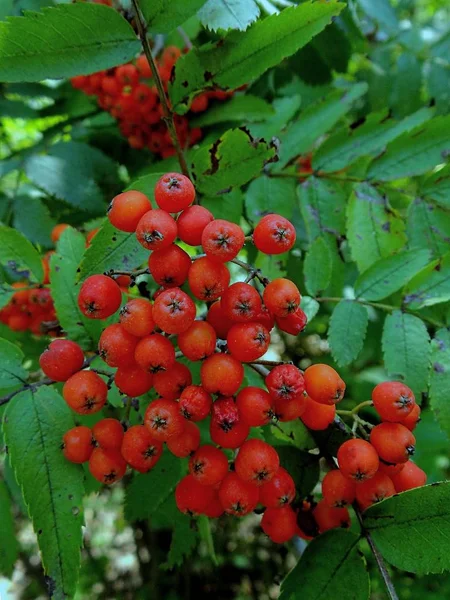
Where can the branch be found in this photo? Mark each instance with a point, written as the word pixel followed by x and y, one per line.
pixel 168 114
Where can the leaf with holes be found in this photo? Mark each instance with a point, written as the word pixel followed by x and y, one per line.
pixel 317 267
pixel 347 332
pixel 431 286
pixel 440 378
pixel 17 253
pixel 322 204
pixel 33 427
pixel 12 374
pixel 228 14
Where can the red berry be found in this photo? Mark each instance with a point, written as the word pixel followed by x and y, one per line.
pixel 191 497
pixel 357 460
pixel 140 449
pixel 289 410
pixel 328 517
pixel 337 490
pixel 412 419
pixel 208 279
pixel 241 302
pixel 221 374
pixel 171 383
pixel 391 470
pixel 169 266
pixel 107 466
pixel 156 230
pixel 197 342
pixel 316 416
pixel 155 353
pixel 323 384
pixel 227 428
pixel 174 311
pixel 374 490
pixel 191 224
pixel 248 341
pixel 78 444
pixel 57 231
pixel 238 497
pixel 257 462
pixel 195 403
pixel 99 297
pixel 127 75
pixel 255 406
pixel 279 491
pixel 127 209
pixel 136 317
pixel 285 382
pixel 108 433
pixel 85 392
pixel 174 192
pixel 393 442
pixel 393 401
pixel 116 346
pixel 133 381
pixel 217 318
pixel 282 298
pixel 222 240
pixel 280 524
pixel 274 235
pixel 185 444
pixel 163 419
pixel 208 465
pixel 410 477
pixel 214 508
pixel 294 323
pixel 61 359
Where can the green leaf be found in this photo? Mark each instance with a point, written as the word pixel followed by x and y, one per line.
pixel 228 206
pixel 285 109
pixel 406 350
pixel 292 433
pixel 431 286
pixel 270 195
pixel 331 568
pixel 231 161
pixel 52 487
pixel 382 13
pixel 373 230
pixel 17 253
pixel 6 293
pixel 243 56
pixel 346 146
pixel 148 492
pixel 310 307
pixel 322 204
pixel 412 529
pixel 32 218
pixel 388 275
pixel 414 152
pixel 12 374
pixel 146 184
pixel 440 378
pixel 347 332
pixel 204 529
pixel 405 96
pixel 228 14
pixel 15 109
pixel 437 187
pixel 245 109
pixel 303 468
pixel 112 249
pixel 438 84
pixel 315 120
pixel 184 540
pixel 163 16
pixel 428 226
pixel 317 267
pixel 64 41
pixel 9 550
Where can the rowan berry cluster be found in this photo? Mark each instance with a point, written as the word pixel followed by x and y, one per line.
pixel 127 92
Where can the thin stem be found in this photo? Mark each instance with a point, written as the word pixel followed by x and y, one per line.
pixel 256 273
pixel 130 273
pixel 260 369
pixel 270 363
pixel 168 114
pixel 355 410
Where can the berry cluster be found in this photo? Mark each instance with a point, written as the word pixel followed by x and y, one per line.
pixel 128 94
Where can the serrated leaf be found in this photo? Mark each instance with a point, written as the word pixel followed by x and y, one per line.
pixel 6 293
pixel 184 540
pixel 315 120
pixel 285 110
pixel 412 529
pixel 12 374
pixel 227 206
pixel 32 218
pixel 17 253
pixel 245 109
pixel 437 187
pixel 64 41
pixel 270 195
pixel 414 152
pixel 331 568
pixel 291 433
pixel 346 146
pixel 347 332
pixel 303 468
pixel 317 267
pixel 163 16
pixel 322 204
pixel 373 230
pixel 231 161
pixel 406 350
pixel 112 249
pixel 428 226
pixel 9 549
pixel 146 184
pixel 431 286
pixel 243 56
pixel 388 275
pixel 405 96
pixel 228 14
pixel 440 378
pixel 33 427
pixel 147 492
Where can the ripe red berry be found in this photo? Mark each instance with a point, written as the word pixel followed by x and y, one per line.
pixel 208 279
pixel 274 235
pixel 155 353
pixel 255 406
pixel 107 466
pixel 248 341
pixel 140 449
pixel 195 403
pixel 285 382
pixel 171 383
pixel 357 459
pixel 116 346
pixel 294 323
pixel 133 381
pixel 374 490
pixel 393 401
pixel 127 209
pixel 108 433
pixel 61 359
pixel 221 374
pixel 393 442
pixel 391 470
pixel 187 442
pixel 282 297
pixel 156 230
pixel 266 318
pixel 328 517
pixel 219 321
pixel 99 297
pixel 197 342
pixel 174 311
pixel 163 419
pixel 85 392
pixel 127 75
pixel 412 419
pixel 214 508
pixel 410 477
pixel 227 427
pixel 208 465
pixel 323 384
pixel 337 490
pixel 241 302
pixel 316 416
pixel 174 192
pixel 279 491
pixel 280 524
pixel 191 224
pixel 289 410
pixel 170 266
pixel 222 240
pixel 238 497
pixel 191 497
pixel 136 317
pixel 78 444
pixel 256 462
